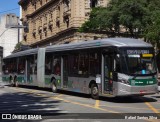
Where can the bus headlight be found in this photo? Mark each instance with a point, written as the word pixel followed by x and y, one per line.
pixel 124 81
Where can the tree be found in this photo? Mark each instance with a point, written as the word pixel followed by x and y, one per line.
pixel 137 18
pixel 152 29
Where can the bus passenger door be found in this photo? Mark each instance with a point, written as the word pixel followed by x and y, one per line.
pixel 108 68
pixel 65 71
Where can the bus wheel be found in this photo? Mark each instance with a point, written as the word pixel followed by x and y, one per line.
pixel 94 91
pixel 16 84
pixel 53 86
pixel 11 82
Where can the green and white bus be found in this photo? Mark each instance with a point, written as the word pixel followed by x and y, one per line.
pixel 107 67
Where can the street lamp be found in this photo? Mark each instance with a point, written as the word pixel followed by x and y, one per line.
pixel 10 27
pixel 15 26
pixel 18 27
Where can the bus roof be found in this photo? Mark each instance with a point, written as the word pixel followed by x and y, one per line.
pixel 116 42
pixel 23 53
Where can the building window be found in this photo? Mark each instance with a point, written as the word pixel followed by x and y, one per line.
pixel 41 2
pixel 45 18
pixel 35 6
pixel 87 3
pixel 50 15
pixel 34 29
pixel 58 17
pixel 66 5
pixel 94 3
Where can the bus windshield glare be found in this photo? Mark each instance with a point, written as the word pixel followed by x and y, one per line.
pixel 136 64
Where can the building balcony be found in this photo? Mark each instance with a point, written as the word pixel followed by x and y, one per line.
pixel 57 19
pixel 22 2
pixel 50 24
pixel 25 36
pixel 87 11
pixel 67 13
pixel 44 26
pixel 40 29
pixel 34 32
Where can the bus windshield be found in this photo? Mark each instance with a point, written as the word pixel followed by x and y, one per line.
pixel 138 65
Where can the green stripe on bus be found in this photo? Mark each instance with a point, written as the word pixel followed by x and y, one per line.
pixel 20 78
pixel 48 81
pixel 142 82
pixel 5 78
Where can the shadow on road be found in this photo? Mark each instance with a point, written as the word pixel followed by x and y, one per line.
pixel 130 99
pixel 27 103
pixel 133 99
pixel 157 96
pixel 59 91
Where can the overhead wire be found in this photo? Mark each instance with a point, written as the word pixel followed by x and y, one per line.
pixel 8 10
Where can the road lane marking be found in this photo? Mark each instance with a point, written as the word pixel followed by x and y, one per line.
pixel 153 109
pixel 60 95
pixel 125 107
pixel 96 104
pixel 72 102
pixel 86 105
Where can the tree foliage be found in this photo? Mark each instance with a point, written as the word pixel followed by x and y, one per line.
pixel 137 18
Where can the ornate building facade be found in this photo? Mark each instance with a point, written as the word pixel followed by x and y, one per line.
pixel 56 21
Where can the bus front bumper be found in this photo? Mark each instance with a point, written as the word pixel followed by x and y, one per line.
pixel 127 90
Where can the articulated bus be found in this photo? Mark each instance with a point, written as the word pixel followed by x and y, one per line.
pixel 106 67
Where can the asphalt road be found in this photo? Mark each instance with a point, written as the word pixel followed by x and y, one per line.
pixel 68 106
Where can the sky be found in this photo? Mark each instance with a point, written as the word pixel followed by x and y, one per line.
pixel 9 6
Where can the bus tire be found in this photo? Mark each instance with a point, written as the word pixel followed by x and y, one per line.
pixel 94 91
pixel 15 81
pixel 53 86
pixel 11 82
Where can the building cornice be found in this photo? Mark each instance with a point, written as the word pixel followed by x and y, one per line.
pixel 56 35
pixel 41 8
pixel 22 2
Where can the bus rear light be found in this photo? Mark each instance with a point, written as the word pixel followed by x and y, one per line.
pixel 142 91
pixel 110 81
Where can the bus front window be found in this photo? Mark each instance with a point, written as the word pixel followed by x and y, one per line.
pixel 137 64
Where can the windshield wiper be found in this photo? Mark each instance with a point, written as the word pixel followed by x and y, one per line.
pixel 152 74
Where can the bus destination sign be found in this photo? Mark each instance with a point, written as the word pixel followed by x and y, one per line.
pixel 137 52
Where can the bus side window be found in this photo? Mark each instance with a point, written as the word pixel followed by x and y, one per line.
pixel 5 68
pixel 48 60
pixel 21 65
pixel 56 66
pixel 73 64
pixel 31 59
pixel 94 64
pixel 83 64
pixel 117 59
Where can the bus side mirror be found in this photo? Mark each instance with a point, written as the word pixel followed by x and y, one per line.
pixel 115 76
